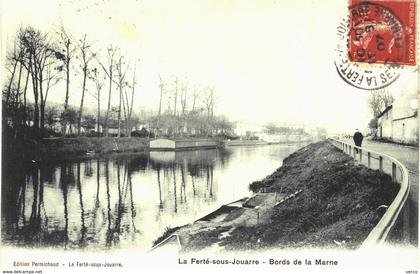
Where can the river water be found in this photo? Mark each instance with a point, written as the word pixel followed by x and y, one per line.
pixel 126 200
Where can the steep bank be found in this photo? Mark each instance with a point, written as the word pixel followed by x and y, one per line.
pixel 335 205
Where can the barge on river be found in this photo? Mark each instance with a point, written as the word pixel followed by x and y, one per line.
pixel 183 144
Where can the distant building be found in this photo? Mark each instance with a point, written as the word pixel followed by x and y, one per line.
pixel 385 123
pixel 399 122
pixel 248 130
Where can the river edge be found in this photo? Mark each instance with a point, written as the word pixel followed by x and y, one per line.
pixel 105 145
pixel 319 197
pixel 81 147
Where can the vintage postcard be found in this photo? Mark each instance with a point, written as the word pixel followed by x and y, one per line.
pixel 209 135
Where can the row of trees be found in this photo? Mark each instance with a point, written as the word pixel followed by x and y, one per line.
pixel 39 61
pixel 88 122
pixel 272 128
pixel 188 110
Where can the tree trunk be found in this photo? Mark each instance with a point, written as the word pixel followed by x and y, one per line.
pixel 128 125
pixel 160 102
pixel 9 87
pixel 109 101
pixel 99 112
pixel 16 121
pixel 119 110
pixel 79 121
pixel 175 105
pixel 66 100
pixel 176 97
pixel 34 73
pixel 130 112
pixel 194 99
pixel 125 110
pixel 25 114
pixel 18 86
pixel 42 103
pixel 160 106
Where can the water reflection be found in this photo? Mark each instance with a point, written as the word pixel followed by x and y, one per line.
pixel 125 200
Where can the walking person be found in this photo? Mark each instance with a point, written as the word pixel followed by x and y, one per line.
pixel 358 139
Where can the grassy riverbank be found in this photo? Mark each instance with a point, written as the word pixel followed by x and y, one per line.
pixel 96 144
pixel 19 147
pixel 337 206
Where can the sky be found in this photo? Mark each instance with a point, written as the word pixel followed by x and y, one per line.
pixel 267 60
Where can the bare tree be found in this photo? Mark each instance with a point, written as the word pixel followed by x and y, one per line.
pixel 195 97
pixel 46 62
pixel 184 92
pixel 13 58
pixel 99 81
pixel 40 52
pixel 66 54
pixel 209 102
pixel 162 91
pixel 129 102
pixel 387 98
pixel 86 56
pixel 53 77
pixel 109 72
pixel 22 57
pixel 15 63
pixel 379 100
pixel 176 96
pixel 121 68
pixel 375 103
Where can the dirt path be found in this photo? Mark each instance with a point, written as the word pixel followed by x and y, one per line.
pixel 407 155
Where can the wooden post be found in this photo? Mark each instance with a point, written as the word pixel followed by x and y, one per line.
pixel 394 172
pixel 354 152
pixel 360 151
pixel 368 159
pixel 381 163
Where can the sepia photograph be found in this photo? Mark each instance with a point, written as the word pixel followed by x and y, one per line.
pixel 209 135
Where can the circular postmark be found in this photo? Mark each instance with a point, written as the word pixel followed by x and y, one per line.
pixel 371 47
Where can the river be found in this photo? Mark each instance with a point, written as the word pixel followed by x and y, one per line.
pixel 126 200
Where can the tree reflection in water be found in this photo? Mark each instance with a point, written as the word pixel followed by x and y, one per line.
pixel 64 183
pixel 118 200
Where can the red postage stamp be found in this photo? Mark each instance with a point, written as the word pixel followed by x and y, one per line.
pixel 383 31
